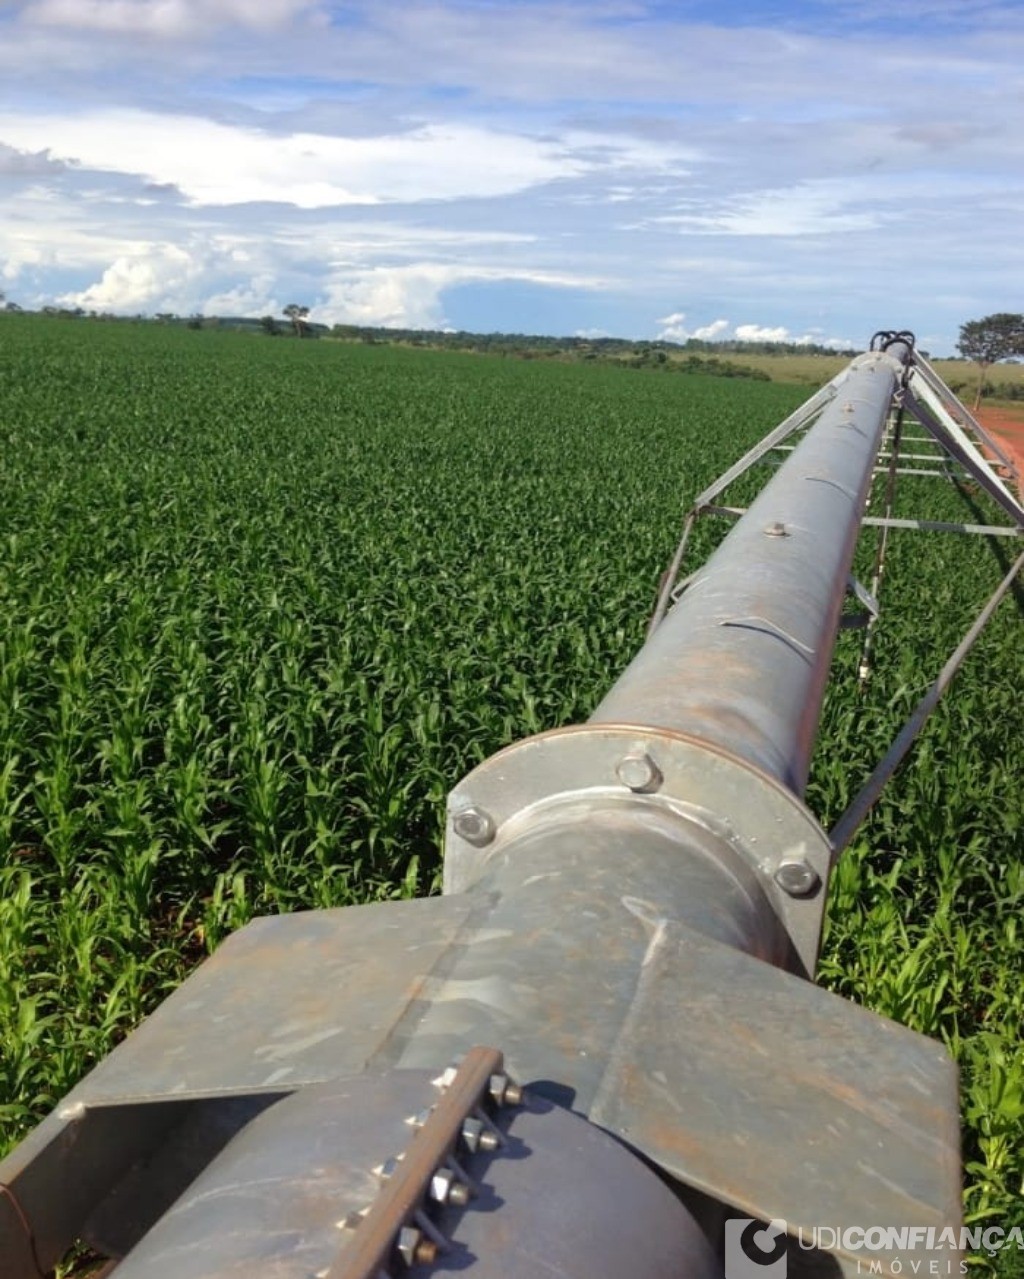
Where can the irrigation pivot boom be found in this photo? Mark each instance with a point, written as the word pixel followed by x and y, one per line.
pixel 632 910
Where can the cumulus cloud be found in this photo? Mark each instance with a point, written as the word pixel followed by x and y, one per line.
pixel 755 165
pixel 763 333
pixel 151 280
pixel 779 333
pixel 675 329
pixel 412 296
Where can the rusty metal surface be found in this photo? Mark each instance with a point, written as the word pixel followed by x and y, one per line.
pixel 781 1099
pixel 560 1197
pixel 289 1000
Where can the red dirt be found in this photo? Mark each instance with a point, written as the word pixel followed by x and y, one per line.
pixel 1008 426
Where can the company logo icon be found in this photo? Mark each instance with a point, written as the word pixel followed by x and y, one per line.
pixel 754 1250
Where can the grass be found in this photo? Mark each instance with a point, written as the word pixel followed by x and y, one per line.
pixel 264 603
pixel 815 370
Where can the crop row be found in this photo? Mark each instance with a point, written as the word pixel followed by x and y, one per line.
pixel 264 603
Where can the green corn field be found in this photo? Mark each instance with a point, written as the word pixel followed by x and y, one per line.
pixel 263 603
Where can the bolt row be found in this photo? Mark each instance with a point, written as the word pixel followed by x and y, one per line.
pixel 639 773
pixel 418 1241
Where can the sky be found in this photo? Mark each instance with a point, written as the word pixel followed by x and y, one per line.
pixel 806 170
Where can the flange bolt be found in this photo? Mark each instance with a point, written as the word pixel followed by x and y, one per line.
pixel 639 772
pixel 474 826
pixel 797 877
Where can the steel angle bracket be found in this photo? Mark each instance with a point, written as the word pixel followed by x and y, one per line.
pixel 784 1101
pixel 334 987
pixel 768 829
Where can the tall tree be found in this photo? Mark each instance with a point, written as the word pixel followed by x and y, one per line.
pixel 985 342
pixel 297 314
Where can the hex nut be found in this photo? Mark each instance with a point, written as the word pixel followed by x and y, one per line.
pixel 474 826
pixel 504 1091
pixel 776 529
pixel 797 877
pixel 639 772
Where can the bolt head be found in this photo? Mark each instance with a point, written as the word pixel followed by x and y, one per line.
pixel 446 1188
pixel 797 877
pixel 776 529
pixel 639 772
pixel 414 1249
pixel 474 826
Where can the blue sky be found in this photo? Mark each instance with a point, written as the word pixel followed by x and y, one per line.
pixel 806 169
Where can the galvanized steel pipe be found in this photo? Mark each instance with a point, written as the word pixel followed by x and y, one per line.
pixel 741 662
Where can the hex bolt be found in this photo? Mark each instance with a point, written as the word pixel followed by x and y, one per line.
pixel 477 1136
pixel 797 877
pixel 639 772
pixel 445 1188
pixel 504 1091
pixel 776 529
pixel 474 826
pixel 414 1249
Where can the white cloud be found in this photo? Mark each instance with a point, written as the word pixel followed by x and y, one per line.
pixel 173 19
pixel 215 163
pixel 411 296
pixel 824 206
pixel 763 333
pixel 148 281
pixel 674 329
pixel 779 333
pixel 708 332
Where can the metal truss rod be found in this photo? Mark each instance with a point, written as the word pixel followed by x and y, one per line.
pixel 879 521
pixel 804 414
pixel 934 416
pixel 671 576
pixel 950 401
pixel 842 833
pixel 943 526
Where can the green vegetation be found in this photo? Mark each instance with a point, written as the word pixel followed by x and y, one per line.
pixel 264 602
pixel 989 340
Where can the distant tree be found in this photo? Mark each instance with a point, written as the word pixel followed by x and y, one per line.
pixel 269 326
pixel 989 340
pixel 194 322
pixel 297 314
